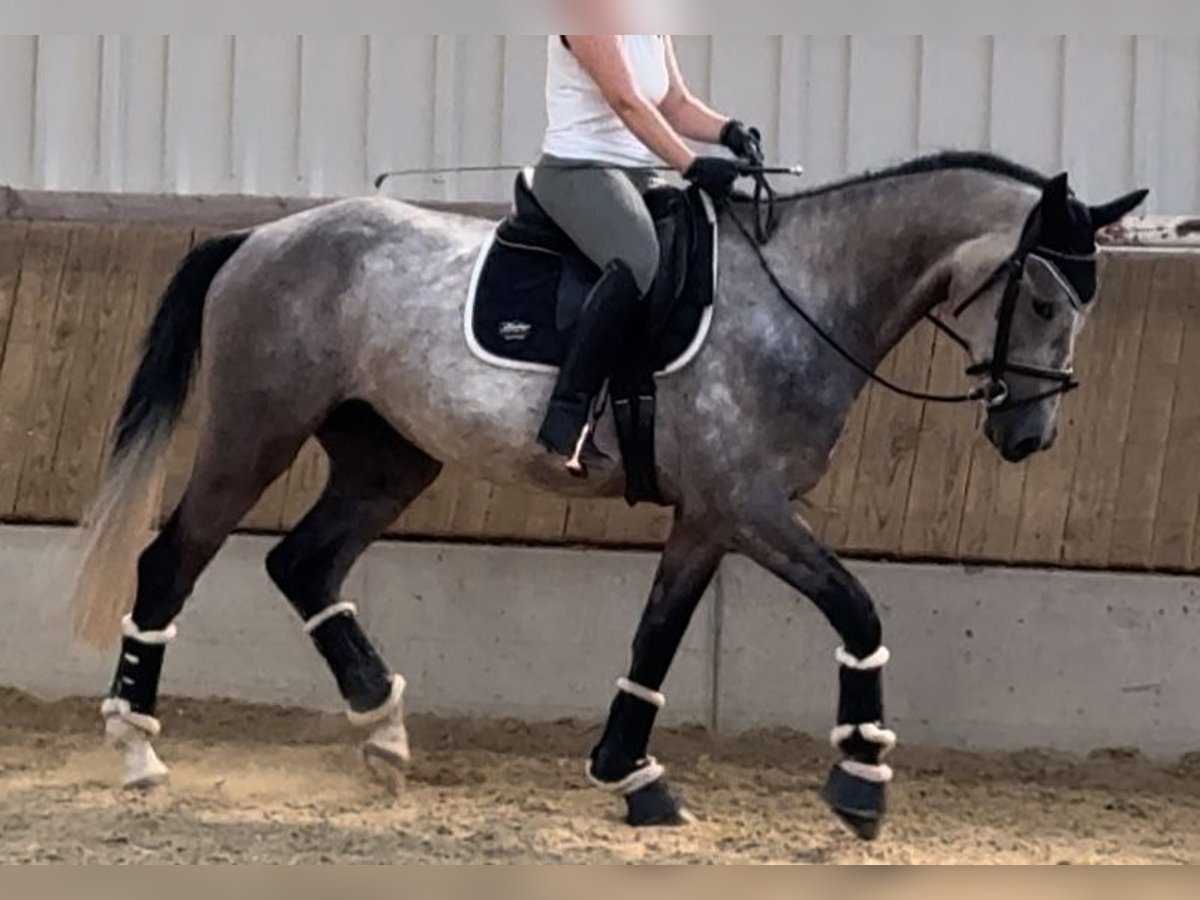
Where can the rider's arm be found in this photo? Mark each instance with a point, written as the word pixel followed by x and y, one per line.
pixel 603 57
pixel 689 116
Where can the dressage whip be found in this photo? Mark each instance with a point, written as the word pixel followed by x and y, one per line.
pixel 749 171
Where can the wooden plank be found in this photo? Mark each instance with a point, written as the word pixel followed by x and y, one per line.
pixel 843 475
pixel 934 511
pixel 814 506
pixel 1116 328
pixel 645 526
pixel 519 514
pixel 885 469
pixel 469 512
pixel 45 255
pixel 1050 476
pixel 1150 420
pixel 1179 501
pixel 992 509
pixel 80 452
pixel 82 271
pixel 12 249
pixel 586 519
pixel 433 513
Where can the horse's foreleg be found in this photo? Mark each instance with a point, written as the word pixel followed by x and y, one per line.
pixel 857 787
pixel 374 476
pixel 621 763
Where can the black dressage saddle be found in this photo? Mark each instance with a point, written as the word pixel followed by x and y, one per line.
pixel 531 284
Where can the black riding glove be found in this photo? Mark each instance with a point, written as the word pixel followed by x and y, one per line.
pixel 714 175
pixel 745 143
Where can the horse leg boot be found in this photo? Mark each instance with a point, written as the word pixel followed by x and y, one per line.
pixel 621 763
pixel 374 476
pixel 130 720
pixel 856 790
pixel 606 314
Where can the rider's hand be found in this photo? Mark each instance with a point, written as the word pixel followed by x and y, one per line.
pixel 745 143
pixel 715 175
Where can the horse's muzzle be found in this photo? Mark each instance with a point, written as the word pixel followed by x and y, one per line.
pixel 1019 439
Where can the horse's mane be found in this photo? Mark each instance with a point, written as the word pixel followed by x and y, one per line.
pixel 933 162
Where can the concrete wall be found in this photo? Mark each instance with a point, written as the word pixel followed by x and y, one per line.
pixel 1001 659
pixel 317 115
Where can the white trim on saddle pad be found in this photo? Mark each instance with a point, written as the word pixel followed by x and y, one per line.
pixel 480 352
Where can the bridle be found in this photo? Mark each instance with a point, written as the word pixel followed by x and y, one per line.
pixel 995 392
pixel 999 365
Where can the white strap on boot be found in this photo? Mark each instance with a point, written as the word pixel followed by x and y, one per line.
pixel 130 733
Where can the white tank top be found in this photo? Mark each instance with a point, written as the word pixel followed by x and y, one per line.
pixel 581 124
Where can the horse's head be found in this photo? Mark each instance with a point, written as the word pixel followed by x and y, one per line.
pixel 1019 311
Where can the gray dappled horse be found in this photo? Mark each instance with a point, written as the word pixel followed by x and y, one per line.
pixel 345 323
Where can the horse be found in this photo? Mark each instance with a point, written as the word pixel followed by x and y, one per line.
pixel 345 323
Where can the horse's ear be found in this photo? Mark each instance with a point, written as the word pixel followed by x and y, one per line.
pixel 1056 195
pixel 1114 212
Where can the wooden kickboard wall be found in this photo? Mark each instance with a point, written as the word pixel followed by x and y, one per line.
pixel 913 481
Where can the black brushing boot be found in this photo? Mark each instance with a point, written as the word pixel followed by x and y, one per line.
pixel 594 346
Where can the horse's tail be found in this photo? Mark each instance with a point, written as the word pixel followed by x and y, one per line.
pixel 119 523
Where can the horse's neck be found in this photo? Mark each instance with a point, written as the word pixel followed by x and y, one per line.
pixel 864 256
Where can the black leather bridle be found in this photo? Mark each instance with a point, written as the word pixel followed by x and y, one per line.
pixel 999 367
pixel 995 393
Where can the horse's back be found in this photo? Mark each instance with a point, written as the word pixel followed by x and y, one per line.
pixel 364 299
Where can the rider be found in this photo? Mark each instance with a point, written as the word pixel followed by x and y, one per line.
pixel 618 109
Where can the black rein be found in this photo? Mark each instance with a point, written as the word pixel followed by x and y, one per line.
pixel 995 393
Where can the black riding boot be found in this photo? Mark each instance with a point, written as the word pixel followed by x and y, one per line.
pixel 590 359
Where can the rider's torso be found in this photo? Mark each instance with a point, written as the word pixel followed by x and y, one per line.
pixel 581 124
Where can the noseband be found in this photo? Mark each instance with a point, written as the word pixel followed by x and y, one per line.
pixel 995 393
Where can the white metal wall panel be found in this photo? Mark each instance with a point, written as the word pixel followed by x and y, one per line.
pixel 321 115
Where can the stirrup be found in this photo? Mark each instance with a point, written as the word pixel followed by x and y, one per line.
pixel 569 435
pixel 575 465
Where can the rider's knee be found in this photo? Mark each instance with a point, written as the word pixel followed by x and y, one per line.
pixel 643 263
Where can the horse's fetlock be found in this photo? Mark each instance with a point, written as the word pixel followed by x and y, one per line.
pixel 611 764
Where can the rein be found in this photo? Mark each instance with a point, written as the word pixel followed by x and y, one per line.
pixel 995 393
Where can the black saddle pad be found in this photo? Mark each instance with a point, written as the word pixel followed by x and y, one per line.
pixel 531 282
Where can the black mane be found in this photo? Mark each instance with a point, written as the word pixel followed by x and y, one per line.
pixel 934 162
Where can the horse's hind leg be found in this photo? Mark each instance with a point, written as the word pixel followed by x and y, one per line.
pixel 233 468
pixel 374 475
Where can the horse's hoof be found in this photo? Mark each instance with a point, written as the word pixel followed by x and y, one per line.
pixel 656 807
pixel 859 804
pixel 144 771
pixel 387 766
pixel 147 782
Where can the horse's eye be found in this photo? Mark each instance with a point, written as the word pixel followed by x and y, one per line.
pixel 1044 309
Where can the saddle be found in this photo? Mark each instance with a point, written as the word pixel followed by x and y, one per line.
pixel 530 284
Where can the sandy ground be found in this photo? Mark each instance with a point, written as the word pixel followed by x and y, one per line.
pixel 277 786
